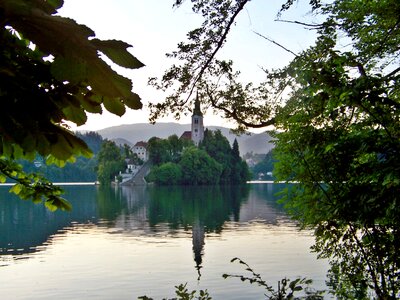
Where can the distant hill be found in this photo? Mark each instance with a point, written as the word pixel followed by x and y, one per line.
pixel 132 133
pixel 121 142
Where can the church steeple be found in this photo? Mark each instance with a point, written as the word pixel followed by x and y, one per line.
pixel 197 110
pixel 197 123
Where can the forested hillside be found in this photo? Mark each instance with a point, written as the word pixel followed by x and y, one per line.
pixel 82 170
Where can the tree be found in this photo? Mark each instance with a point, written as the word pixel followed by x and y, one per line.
pixel 198 168
pixel 44 83
pixel 337 111
pixel 159 151
pixel 266 165
pixel 176 146
pixel 240 171
pixel 234 169
pixel 218 147
pixel 166 174
pixel 110 162
pixel 127 151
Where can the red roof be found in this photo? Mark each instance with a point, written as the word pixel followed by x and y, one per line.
pixel 141 144
pixel 186 135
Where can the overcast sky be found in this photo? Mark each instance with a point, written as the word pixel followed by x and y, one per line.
pixel 154 28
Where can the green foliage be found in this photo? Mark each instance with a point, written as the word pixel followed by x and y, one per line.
pixel 159 151
pixel 166 150
pixel 336 111
pixel 166 174
pixel 339 139
pixel 44 83
pixel 110 162
pixel 286 288
pixel 176 146
pixel 234 169
pixel 82 170
pixel 266 165
pixel 198 167
pixel 183 293
pixel 92 139
pixel 218 147
pixel 32 186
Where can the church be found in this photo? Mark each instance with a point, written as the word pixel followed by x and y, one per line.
pixel 197 130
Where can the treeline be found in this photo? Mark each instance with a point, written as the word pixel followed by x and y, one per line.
pixel 263 166
pixel 107 161
pixel 175 161
pixel 82 170
pixel 178 161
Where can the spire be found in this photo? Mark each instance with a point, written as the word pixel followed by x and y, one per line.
pixel 197 111
pixel 197 123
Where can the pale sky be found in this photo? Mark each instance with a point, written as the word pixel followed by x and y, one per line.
pixel 154 28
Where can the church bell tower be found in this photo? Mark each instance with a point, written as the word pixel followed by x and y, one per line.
pixel 197 123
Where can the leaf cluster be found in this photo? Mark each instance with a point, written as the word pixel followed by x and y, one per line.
pixel 32 186
pixel 183 293
pixel 51 72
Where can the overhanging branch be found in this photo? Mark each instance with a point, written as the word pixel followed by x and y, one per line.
pixel 234 115
pixel 219 46
pixel 276 43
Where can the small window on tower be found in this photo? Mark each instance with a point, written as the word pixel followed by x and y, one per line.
pixel 195 130
pixel 196 121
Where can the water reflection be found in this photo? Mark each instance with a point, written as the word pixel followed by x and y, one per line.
pixel 25 226
pixel 140 211
pixel 201 209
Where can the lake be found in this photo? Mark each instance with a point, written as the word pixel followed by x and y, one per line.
pixel 126 242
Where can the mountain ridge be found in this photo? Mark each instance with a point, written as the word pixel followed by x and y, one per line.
pixel 133 133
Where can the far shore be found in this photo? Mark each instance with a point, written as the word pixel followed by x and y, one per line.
pixel 58 183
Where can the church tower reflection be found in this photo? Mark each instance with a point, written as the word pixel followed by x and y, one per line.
pixel 198 245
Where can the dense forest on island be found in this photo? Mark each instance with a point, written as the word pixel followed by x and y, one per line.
pixel 178 161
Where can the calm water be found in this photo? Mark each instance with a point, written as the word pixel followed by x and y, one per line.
pixel 122 243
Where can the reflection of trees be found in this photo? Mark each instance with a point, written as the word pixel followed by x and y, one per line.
pixel 24 225
pixel 269 193
pixel 183 206
pixel 124 207
pixel 145 209
pixel 109 202
pixel 201 208
pixel 262 205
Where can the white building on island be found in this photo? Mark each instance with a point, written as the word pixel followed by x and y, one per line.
pixel 140 149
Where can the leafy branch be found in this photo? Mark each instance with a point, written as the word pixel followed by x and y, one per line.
pixel 183 293
pixel 286 288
